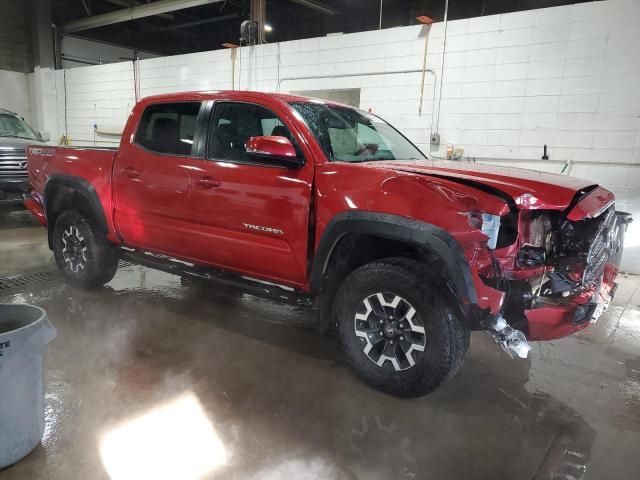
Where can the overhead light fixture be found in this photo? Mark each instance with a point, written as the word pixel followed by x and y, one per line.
pixel 268 28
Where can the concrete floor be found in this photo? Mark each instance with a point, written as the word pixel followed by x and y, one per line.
pixel 152 379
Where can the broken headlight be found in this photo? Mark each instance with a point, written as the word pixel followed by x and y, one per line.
pixel 491 228
pixel 538 245
pixel 540 231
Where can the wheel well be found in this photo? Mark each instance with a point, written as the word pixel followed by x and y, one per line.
pixel 65 198
pixel 354 250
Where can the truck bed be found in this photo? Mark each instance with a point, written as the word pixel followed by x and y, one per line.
pixel 91 167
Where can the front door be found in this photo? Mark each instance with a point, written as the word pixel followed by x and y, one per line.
pixel 152 180
pixel 251 217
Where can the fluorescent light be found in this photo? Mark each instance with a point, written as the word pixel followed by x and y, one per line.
pixel 268 28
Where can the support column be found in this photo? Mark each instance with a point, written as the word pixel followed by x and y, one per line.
pixel 42 33
pixel 43 87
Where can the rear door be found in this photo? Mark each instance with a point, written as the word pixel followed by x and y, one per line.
pixel 249 216
pixel 152 179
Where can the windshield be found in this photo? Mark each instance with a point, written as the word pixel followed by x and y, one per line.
pixel 349 135
pixel 13 126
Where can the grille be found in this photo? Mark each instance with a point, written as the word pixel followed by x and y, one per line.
pixel 13 164
pixel 601 247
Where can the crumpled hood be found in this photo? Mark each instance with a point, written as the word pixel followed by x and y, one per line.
pixel 528 188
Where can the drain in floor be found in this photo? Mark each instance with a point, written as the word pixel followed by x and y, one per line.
pixel 19 281
pixel 29 279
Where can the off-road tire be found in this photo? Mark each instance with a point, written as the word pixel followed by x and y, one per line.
pixel 99 263
pixel 446 337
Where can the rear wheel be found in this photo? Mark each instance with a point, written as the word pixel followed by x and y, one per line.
pixel 84 256
pixel 401 333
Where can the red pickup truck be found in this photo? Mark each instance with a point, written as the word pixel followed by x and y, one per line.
pixel 316 203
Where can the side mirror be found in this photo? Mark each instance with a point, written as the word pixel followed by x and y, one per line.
pixel 45 136
pixel 275 150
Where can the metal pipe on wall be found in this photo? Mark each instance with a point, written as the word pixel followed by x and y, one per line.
pixel 444 50
pixel 364 74
pixel 424 69
pixel 563 162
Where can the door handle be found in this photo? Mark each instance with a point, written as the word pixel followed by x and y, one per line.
pixel 130 172
pixel 208 182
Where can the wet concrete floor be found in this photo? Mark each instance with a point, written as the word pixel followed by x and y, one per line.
pixel 149 378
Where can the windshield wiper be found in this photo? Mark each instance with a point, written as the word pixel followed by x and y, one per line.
pixel 364 160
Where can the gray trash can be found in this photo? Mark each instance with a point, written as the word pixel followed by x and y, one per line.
pixel 24 332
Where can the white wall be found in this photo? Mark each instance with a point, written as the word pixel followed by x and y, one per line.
pixel 565 76
pixel 14 93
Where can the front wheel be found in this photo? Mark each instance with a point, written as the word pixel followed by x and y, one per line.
pixel 400 333
pixel 83 255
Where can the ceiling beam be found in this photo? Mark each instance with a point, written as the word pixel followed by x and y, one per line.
pixel 133 13
pixel 178 26
pixel 317 6
pixel 133 3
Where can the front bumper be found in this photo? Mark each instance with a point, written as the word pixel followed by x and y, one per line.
pixel 550 322
pixel 12 190
pixel 556 321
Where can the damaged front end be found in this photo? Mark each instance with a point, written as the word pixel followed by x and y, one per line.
pixel 556 269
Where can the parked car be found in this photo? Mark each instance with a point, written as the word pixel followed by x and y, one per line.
pixel 316 203
pixel 15 135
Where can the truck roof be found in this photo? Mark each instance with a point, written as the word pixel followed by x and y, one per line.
pixel 230 94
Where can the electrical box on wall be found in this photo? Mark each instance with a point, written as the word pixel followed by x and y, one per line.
pixel 435 139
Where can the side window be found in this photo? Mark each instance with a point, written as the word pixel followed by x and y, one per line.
pixel 168 128
pixel 234 123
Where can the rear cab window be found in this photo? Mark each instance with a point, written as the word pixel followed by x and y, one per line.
pixel 168 128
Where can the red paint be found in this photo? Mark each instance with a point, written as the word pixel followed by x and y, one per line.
pixel 596 202
pixel 274 146
pixel 529 188
pixel 37 210
pixel 551 323
pixel 254 219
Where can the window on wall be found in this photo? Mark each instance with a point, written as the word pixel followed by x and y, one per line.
pixel 168 128
pixel 234 123
pixel 348 96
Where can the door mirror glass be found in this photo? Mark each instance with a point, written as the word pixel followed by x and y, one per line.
pixel 274 149
pixel 45 136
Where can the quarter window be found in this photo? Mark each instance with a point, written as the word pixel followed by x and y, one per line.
pixel 168 128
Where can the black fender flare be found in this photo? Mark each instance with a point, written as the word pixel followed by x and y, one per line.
pixel 407 230
pixel 80 186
